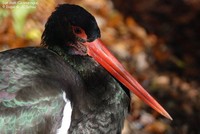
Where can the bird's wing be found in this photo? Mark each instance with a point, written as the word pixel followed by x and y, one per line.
pixel 31 90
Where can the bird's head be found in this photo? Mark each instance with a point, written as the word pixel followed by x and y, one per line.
pixel 70 26
pixel 75 30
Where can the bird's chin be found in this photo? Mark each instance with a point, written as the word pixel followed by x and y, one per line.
pixel 78 49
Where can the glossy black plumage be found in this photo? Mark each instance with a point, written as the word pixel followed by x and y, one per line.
pixel 32 81
pixel 105 102
pixel 31 86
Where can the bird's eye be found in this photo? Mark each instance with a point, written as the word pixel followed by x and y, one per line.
pixel 77 30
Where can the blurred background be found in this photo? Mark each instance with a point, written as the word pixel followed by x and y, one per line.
pixel 157 41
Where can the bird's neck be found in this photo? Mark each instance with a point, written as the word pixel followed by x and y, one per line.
pixel 83 64
pixel 87 68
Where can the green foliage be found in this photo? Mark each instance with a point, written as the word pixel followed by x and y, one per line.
pixel 19 16
pixel 3 13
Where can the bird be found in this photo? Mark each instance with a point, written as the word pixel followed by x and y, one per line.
pixel 70 84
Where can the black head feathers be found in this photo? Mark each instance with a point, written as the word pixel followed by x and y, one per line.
pixel 58 29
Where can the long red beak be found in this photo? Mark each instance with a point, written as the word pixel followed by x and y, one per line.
pixel 103 56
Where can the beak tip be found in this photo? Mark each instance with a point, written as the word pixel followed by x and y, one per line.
pixel 165 114
pixel 169 117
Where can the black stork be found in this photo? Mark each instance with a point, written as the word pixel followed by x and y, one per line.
pixel 72 84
